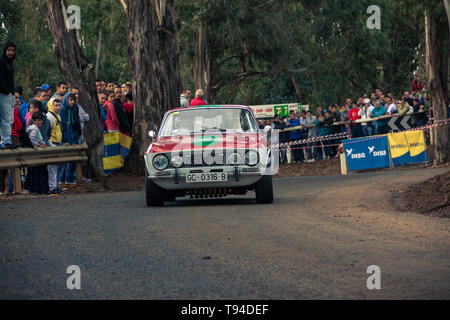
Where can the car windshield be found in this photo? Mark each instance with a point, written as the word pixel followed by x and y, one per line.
pixel 202 119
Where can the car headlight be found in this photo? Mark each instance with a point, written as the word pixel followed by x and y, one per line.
pixel 235 158
pixel 177 161
pixel 160 162
pixel 251 158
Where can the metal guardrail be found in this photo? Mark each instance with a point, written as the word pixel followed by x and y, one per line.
pixel 28 157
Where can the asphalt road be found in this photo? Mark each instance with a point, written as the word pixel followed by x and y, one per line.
pixel 315 242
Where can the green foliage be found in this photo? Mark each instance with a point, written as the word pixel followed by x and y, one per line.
pixel 253 45
pixel 25 22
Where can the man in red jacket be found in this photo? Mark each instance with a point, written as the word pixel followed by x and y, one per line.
pixel 353 116
pixel 198 100
pixel 416 85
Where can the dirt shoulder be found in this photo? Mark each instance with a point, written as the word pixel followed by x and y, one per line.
pixel 431 197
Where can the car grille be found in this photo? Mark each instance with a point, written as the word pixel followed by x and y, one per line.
pixel 215 158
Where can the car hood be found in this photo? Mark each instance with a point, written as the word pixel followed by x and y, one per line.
pixel 209 141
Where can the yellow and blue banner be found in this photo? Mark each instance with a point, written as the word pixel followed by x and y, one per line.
pixel 407 147
pixel 117 148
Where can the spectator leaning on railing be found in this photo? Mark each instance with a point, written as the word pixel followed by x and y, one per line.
pixel 353 116
pixel 310 121
pixel 324 123
pixel 54 107
pixel 364 113
pixel 282 137
pixel 297 154
pixel 403 108
pixel 37 177
pixel 380 124
pixel 420 115
pixel 71 132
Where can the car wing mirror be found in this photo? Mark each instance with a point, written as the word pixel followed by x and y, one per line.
pixel 152 134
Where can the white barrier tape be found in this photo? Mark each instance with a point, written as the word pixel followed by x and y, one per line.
pixel 345 135
pixel 426 127
pixel 316 139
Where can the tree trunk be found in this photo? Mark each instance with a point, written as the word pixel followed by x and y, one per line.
pixel 77 71
pixel 201 63
pixel 153 60
pixel 99 49
pixel 296 87
pixel 447 9
pixel 439 102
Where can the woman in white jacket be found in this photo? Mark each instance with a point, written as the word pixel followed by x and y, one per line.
pixel 364 113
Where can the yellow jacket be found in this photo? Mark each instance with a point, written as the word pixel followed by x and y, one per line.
pixel 55 121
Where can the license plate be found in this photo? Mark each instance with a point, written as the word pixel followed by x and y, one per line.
pixel 206 177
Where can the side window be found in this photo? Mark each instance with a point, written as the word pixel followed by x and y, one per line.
pixel 244 120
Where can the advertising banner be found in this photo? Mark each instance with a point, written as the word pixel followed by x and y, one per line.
pixel 367 153
pixel 398 145
pixel 270 110
pixel 117 148
pixel 407 147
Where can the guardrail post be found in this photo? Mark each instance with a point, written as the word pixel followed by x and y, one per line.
pixel 17 180
pixel 79 173
pixel 344 170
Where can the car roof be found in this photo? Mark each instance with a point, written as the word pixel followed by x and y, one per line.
pixel 212 106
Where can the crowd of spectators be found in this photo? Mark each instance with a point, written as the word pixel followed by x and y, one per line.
pixel 53 119
pixel 58 118
pixel 328 121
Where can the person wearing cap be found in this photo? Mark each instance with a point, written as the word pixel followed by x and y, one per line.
pixel 198 100
pixel 364 113
pixel 7 93
pixel 48 90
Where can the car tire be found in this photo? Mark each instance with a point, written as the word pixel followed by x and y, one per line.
pixel 264 190
pixel 154 194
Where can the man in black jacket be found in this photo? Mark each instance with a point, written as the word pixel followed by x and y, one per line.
pixel 278 124
pixel 7 93
pixel 124 126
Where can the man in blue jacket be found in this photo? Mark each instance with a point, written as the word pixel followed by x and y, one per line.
pixel 380 125
pixel 297 153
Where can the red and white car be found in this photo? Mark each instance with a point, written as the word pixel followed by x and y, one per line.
pixel 208 152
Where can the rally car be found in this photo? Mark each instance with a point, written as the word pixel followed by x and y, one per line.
pixel 208 152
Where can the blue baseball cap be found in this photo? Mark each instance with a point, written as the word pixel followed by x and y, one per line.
pixel 45 86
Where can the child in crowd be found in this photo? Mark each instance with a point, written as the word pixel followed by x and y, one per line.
pixel 45 129
pixel 33 107
pixel 54 106
pixel 37 178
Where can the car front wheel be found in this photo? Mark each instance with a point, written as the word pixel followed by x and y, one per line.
pixel 264 190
